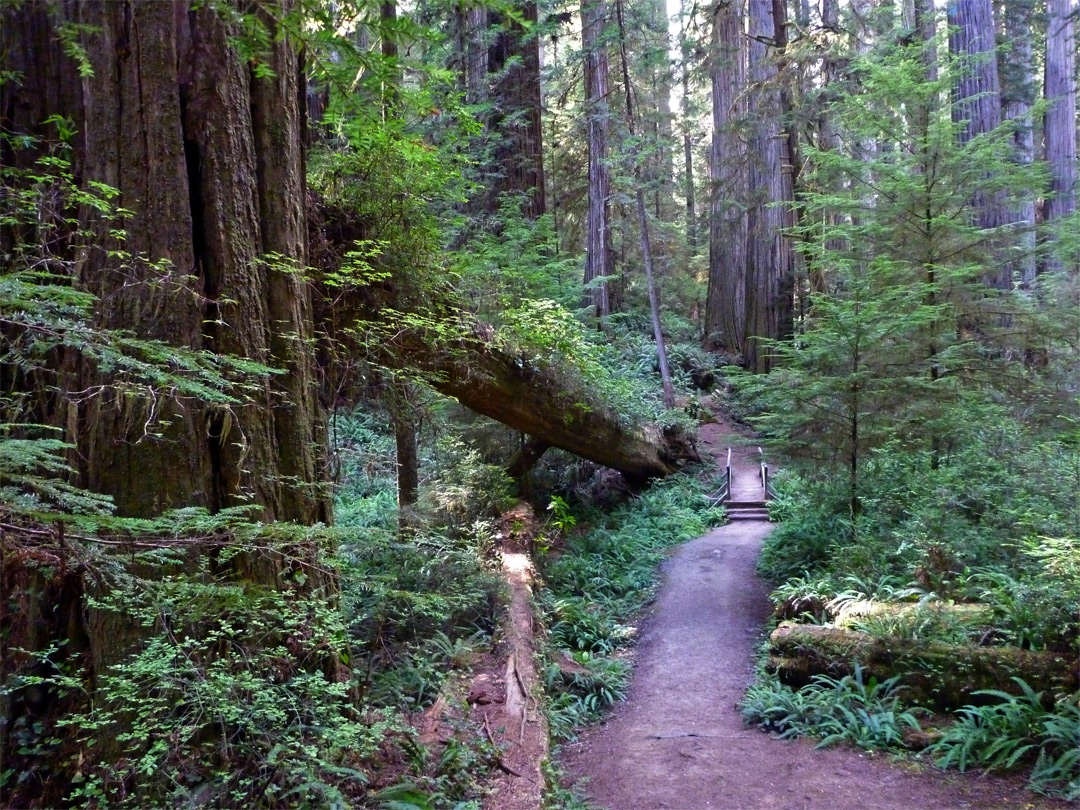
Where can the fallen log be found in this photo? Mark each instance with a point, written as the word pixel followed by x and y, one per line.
pixel 849 612
pixel 428 334
pixel 548 405
pixel 932 674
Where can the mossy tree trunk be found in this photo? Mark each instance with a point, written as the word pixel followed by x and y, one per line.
pixel 540 401
pixel 208 157
pixel 931 673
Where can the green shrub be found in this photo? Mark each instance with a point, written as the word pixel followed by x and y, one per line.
pixel 1013 731
pixel 465 489
pixel 850 710
pixel 237 697
pixel 803 544
pixel 581 694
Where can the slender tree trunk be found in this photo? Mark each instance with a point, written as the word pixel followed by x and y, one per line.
pixel 656 118
pixel 643 223
pixel 599 264
pixel 725 304
pixel 833 68
pixel 924 23
pixel 1060 126
pixel 686 50
pixel 389 47
pixel 790 163
pixel 399 395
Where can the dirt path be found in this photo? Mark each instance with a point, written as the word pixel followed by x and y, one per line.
pixel 678 742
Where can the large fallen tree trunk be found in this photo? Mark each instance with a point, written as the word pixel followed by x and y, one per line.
pixel 931 673
pixel 547 402
pixel 427 335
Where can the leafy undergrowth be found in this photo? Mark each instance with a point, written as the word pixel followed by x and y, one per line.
pixel 852 709
pixel 1006 734
pixel 1014 731
pixel 924 568
pixel 241 695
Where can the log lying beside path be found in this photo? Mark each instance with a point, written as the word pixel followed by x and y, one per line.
pixel 932 674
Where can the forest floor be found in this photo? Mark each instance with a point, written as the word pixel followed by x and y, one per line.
pixel 678 741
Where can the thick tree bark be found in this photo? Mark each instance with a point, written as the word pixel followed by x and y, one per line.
pixel 599 258
pixel 513 60
pixel 977 103
pixel 769 279
pixel 141 153
pixel 725 304
pixel 1060 124
pixel 471 55
pixel 209 159
pixel 1016 69
pixel 978 89
pixel 931 673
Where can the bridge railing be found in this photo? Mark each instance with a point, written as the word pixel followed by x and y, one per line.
pixel 724 492
pixel 766 481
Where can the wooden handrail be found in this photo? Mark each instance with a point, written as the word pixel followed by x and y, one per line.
pixel 727 474
pixel 766 481
pixel 724 492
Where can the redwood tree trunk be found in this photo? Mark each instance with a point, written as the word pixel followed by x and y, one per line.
pixel 1061 115
pixel 513 60
pixel 209 158
pixel 472 57
pixel 1018 91
pixel 977 102
pixel 725 304
pixel 769 282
